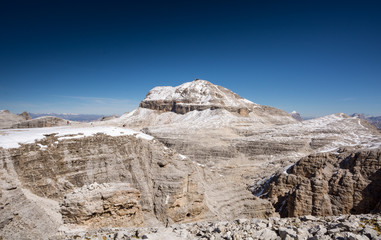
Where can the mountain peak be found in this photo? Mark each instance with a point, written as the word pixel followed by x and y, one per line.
pixel 196 95
pixel 296 116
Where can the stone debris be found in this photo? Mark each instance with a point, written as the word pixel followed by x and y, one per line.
pixel 347 227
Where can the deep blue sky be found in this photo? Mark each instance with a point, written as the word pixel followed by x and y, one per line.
pixel 316 57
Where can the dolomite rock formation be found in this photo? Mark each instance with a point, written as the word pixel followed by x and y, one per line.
pixel 232 150
pixel 7 119
pixel 210 146
pixel 197 95
pixel 327 184
pixel 61 168
pixel 25 115
pixel 102 205
pixel 47 121
pixel 201 95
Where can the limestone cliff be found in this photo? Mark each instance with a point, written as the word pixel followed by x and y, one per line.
pixel 163 187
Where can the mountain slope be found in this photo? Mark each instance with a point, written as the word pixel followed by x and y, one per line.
pixel 238 149
pixel 201 104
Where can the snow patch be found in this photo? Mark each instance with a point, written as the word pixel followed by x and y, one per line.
pixel 11 138
pixel 286 168
pixel 200 92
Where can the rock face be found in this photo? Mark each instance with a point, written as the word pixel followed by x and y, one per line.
pixel 40 122
pixel 25 115
pixel 201 95
pixel 62 169
pixel 7 119
pixel 327 184
pixel 197 95
pixel 102 205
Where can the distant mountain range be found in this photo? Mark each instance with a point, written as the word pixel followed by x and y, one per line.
pixel 70 116
pixel 375 121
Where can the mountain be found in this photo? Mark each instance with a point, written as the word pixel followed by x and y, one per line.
pixel 375 121
pixel 197 95
pixel 191 153
pixel 209 129
pixel 7 119
pixel 70 116
pixel 296 116
pixel 201 104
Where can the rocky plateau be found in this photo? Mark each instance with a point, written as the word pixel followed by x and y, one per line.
pixel 189 160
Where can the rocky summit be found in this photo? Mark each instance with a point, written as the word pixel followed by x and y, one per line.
pixel 195 161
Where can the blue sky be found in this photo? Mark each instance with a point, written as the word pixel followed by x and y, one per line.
pixel 102 57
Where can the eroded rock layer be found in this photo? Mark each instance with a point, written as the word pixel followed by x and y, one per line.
pixel 40 122
pixel 102 205
pixel 164 187
pixel 327 184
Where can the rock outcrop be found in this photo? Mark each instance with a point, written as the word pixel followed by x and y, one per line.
pixel 201 95
pixel 198 95
pixel 25 115
pixel 102 205
pixel 7 119
pixel 327 184
pixel 169 185
pixel 47 121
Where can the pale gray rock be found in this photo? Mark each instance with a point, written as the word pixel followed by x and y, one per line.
pixel 168 194
pixel 267 234
pixel 46 121
pixel 102 205
pixel 287 233
pixel 7 119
